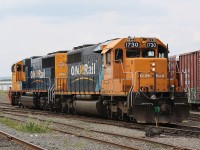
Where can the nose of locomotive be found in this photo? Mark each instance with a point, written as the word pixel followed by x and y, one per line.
pixel 150 74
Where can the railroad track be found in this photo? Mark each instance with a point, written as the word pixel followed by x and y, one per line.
pixel 151 130
pixel 194 117
pixel 5 104
pixel 64 129
pixel 174 130
pixel 20 142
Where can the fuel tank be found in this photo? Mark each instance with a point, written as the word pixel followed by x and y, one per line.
pixel 90 107
pixel 27 101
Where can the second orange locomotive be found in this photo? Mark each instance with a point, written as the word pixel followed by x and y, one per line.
pixel 124 78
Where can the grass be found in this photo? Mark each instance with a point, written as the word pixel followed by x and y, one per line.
pixel 34 126
pixel 31 126
pixel 9 122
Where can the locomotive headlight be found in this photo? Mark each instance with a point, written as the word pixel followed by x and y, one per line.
pixel 153 64
pixel 153 69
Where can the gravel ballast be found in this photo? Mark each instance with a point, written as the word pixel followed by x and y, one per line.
pixel 56 141
pixel 7 144
pixel 53 140
pixel 60 141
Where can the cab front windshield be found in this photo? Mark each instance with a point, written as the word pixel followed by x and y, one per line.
pixel 134 53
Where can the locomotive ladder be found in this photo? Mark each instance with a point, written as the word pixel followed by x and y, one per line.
pixel 51 95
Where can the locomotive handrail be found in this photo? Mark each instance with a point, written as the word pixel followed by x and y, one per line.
pixel 126 72
pixel 135 77
pixel 130 98
pixel 182 79
pixel 69 88
pixel 130 93
pixel 154 75
pixel 51 97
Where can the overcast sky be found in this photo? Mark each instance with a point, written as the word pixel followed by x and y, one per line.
pixel 37 27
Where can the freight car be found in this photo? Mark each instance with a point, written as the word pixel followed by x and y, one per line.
pixel 124 78
pixel 189 64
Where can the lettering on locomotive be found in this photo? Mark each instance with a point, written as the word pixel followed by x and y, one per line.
pixel 37 74
pixel 132 44
pixel 62 74
pixel 148 75
pixel 151 45
pixel 61 64
pixel 83 69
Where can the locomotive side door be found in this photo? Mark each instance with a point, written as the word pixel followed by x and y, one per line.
pixel 118 73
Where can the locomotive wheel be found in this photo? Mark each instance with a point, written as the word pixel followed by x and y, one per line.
pixel 194 106
pixel 126 118
pixel 120 114
pixel 13 102
pixel 74 112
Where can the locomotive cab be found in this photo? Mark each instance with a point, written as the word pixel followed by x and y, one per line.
pixel 136 76
pixel 18 77
pixel 148 65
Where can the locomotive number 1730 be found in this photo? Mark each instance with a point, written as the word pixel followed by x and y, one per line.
pixel 132 44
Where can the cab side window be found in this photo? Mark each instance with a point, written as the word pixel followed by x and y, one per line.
pixel 162 52
pixel 13 68
pixel 118 55
pixel 148 53
pixel 132 53
pixel 161 55
pixel 108 58
pixel 19 68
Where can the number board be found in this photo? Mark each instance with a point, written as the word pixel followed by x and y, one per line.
pixel 151 44
pixel 132 44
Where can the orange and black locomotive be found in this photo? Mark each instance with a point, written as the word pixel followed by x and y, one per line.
pixel 125 78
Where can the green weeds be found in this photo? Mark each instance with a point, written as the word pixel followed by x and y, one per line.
pixel 31 126
pixel 9 122
pixel 34 126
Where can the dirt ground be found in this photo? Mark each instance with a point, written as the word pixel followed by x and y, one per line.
pixel 4 96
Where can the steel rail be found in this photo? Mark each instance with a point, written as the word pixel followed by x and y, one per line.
pixel 86 137
pixel 105 133
pixel 174 131
pixel 26 144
